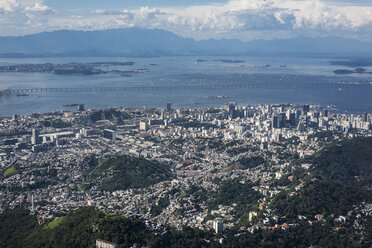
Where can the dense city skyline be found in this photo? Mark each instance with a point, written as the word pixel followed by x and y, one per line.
pixel 187 123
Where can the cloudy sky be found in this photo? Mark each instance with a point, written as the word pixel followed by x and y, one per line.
pixel 199 19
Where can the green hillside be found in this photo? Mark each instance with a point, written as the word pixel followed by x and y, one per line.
pixel 15 226
pixel 109 114
pixel 123 172
pixel 348 161
pixel 81 228
pixel 340 180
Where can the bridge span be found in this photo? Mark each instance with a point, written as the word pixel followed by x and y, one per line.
pixel 15 91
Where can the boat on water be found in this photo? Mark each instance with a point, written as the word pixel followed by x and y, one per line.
pixel 218 97
pixel 331 107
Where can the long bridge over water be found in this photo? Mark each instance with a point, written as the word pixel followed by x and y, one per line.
pixel 15 91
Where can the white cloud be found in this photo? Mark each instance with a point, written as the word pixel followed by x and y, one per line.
pixel 39 8
pixel 108 12
pixel 243 19
pixel 7 6
pixel 279 17
pixel 18 17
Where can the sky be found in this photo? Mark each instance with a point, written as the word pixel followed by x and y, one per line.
pixel 197 19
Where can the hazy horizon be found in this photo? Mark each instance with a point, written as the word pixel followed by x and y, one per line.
pixel 234 19
pixel 187 123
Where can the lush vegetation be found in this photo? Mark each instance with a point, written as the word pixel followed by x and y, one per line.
pixel 11 171
pixel 347 161
pixel 319 197
pixel 303 235
pixel 15 226
pixel 123 172
pixel 368 230
pixel 159 206
pixel 250 162
pixel 241 149
pixel 233 191
pixel 220 145
pixel 56 124
pixel 323 135
pixel 81 228
pixel 337 183
pixel 108 114
pixel 55 223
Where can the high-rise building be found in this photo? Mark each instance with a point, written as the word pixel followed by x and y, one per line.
pixel 109 134
pixel 201 117
pixel 288 114
pixel 278 138
pixel 275 121
pixel 292 119
pixel 282 120
pixel 81 107
pixel 298 114
pixel 143 125
pixel 231 107
pixel 32 203
pixel 169 107
pixel 87 132
pixel 35 136
pixel 306 108
pixel 232 112
pixel 218 226
pixel 365 117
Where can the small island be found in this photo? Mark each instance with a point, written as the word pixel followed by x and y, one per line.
pixel 73 68
pixel 356 70
pixel 229 61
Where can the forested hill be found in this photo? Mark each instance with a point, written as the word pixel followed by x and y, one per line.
pixel 123 171
pixel 348 162
pixel 339 182
pixel 81 228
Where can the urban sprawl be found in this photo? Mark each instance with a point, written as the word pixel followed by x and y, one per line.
pixel 43 157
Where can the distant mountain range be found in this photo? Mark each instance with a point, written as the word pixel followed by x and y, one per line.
pixel 146 43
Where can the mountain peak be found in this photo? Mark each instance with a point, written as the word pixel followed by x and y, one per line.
pixel 158 42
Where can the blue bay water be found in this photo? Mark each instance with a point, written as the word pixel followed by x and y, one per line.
pixel 182 71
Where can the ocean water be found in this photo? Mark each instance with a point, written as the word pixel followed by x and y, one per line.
pixel 187 71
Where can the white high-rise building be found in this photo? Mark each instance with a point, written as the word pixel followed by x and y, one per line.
pixel 35 136
pixel 143 125
pixel 218 226
pixel 32 203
